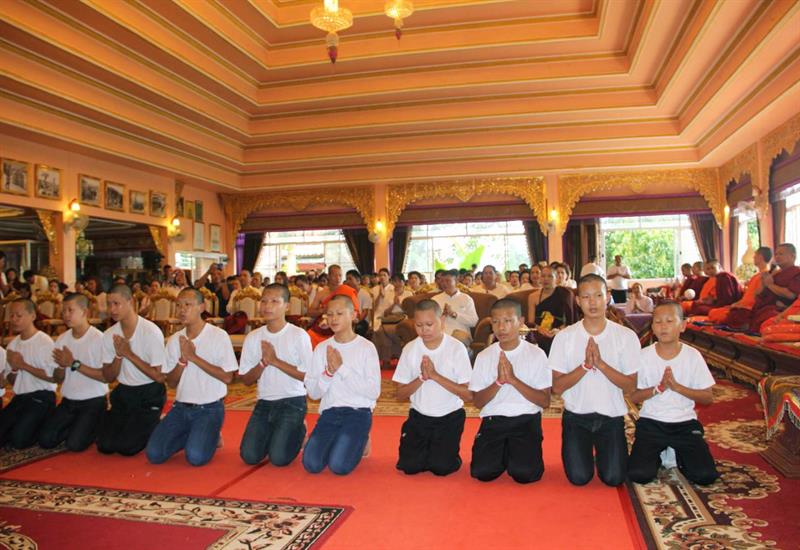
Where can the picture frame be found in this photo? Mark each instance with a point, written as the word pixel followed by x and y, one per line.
pixel 199 236
pixel 48 182
pixel 90 192
pixel 15 177
pixel 158 204
pixel 179 207
pixel 198 211
pixel 214 237
pixel 137 202
pixel 114 196
pixel 188 209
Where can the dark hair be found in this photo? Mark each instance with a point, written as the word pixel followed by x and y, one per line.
pixel 283 289
pixel 674 305
pixel 80 298
pixel 507 303
pixel 592 278
pixel 344 299
pixel 490 265
pixel 30 307
pixel 398 277
pixel 686 265
pixel 450 273
pixel 417 273
pixel 439 272
pixel 788 246
pixel 765 252
pixel 429 305
pixel 2 255
pixel 300 279
pixel 353 273
pixel 230 278
pixel 122 290
pixel 198 296
pixel 27 273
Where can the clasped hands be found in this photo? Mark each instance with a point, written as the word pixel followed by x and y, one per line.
pixel 334 360
pixel 427 369
pixel 593 360
pixel 63 357
pixel 505 370
pixel 668 381
pixel 188 351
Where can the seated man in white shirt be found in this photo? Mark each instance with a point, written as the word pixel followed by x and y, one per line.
pixel 639 302
pixel 594 362
pixel 277 356
pixel 671 379
pixel 29 367
pixel 200 362
pixel 385 337
pixel 79 355
pixel 245 281
pixel 490 283
pixel 458 309
pixel 133 354
pixel 433 371
pixel 511 385
pixel 346 376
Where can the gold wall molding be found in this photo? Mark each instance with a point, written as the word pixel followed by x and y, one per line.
pixel 782 138
pixel 51 224
pixel 159 239
pixel 238 206
pixel 530 189
pixel 572 187
pixel 746 162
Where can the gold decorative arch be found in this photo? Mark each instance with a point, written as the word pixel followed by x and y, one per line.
pixel 530 189
pixel 238 206
pixel 782 138
pixel 746 162
pixel 704 180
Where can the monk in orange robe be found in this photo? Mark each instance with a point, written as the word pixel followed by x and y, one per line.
pixel 761 259
pixel 781 324
pixel 721 289
pixel 319 331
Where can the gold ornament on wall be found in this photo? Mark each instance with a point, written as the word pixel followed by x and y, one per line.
pixel 529 189
pixel 782 138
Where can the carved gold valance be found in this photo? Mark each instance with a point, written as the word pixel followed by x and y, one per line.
pixel 782 138
pixel 239 206
pixel 572 187
pixel 530 189
pixel 745 162
pixel 159 233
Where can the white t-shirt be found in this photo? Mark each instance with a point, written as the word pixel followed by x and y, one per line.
pixel 292 345
pixel 88 349
pixel 592 267
pixel 530 366
pixel 364 299
pixel 464 307
pixel 594 393
pixel 357 383
pixel 147 343
pixel 196 386
pixel 618 283
pixel 450 360
pixel 37 351
pixel 689 369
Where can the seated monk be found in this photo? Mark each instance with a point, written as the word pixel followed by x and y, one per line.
pixel 779 328
pixel 721 289
pixel 319 330
pixel 702 287
pixel 761 259
pixel 778 290
pixel 694 282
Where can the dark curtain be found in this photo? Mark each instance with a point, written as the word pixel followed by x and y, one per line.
pixel 536 240
pixel 572 246
pixel 399 248
pixel 590 229
pixel 778 222
pixel 706 233
pixel 361 249
pixel 252 246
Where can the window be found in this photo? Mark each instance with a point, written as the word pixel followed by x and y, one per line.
pixel 792 220
pixel 748 231
pixel 457 245
pixel 653 247
pixel 298 251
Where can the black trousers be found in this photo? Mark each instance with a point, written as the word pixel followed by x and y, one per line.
pixel 22 419
pixel 74 421
pixel 590 438
pixel 508 443
pixel 429 443
pixel 691 450
pixel 134 414
pixel 620 296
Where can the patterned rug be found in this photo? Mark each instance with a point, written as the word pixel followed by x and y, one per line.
pixel 12 458
pixel 732 513
pixel 39 515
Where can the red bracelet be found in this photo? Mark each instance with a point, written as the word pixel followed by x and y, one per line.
pixel 327 372
pixel 499 384
pixel 586 367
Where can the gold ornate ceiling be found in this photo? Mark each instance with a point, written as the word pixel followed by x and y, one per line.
pixel 240 93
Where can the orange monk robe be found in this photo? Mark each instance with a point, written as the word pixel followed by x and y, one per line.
pixel 718 315
pixel 777 323
pixel 318 333
pixel 707 293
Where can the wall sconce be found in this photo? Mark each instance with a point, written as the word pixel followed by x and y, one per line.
pixel 73 217
pixel 74 205
pixel 174 229
pixel 552 219
pixel 727 211
pixel 380 229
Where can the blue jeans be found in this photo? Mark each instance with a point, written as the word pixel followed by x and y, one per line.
pixel 338 440
pixel 275 429
pixel 193 428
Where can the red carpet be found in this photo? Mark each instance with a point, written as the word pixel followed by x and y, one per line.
pixel 390 510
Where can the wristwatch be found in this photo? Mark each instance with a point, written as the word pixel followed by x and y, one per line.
pixel 75 365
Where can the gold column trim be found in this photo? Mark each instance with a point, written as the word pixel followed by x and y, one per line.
pixel 530 189
pixel 160 244
pixel 238 206
pixel 782 138
pixel 49 226
pixel 572 187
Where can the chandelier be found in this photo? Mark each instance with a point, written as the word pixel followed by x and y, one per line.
pixel 331 18
pixel 83 248
pixel 398 10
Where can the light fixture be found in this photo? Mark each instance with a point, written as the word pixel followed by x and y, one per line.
pixel 398 10
pixel 379 226
pixel 552 219
pixel 331 18
pixel 176 221
pixel 74 205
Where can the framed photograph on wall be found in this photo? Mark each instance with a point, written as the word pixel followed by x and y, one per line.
pixel 214 237
pixel 198 211
pixel 48 182
pixel 158 204
pixel 179 207
pixel 115 196
pixel 15 177
pixel 188 209
pixel 199 236
pixel 138 202
pixel 89 190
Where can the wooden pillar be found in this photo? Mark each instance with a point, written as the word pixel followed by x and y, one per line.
pixel 379 228
pixel 555 249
